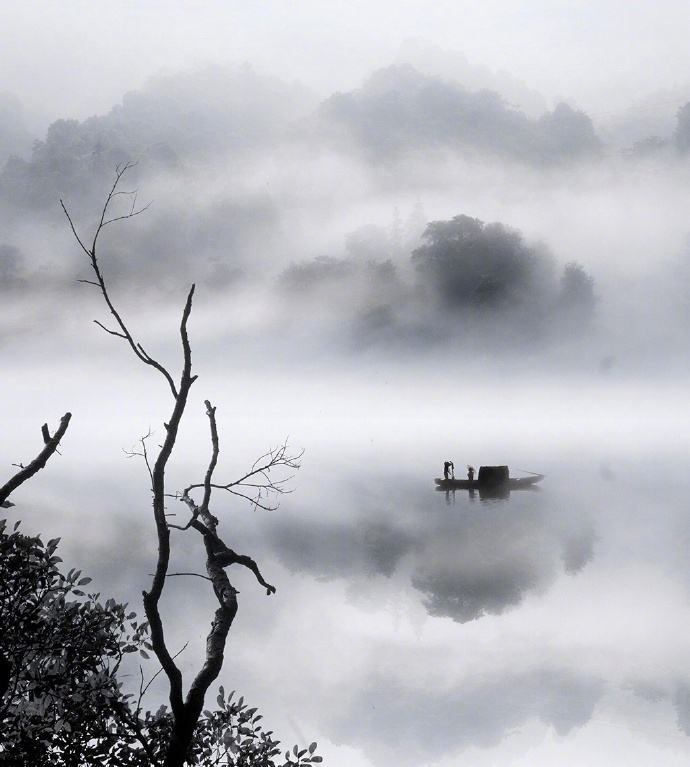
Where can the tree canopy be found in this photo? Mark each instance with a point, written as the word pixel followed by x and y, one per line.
pixel 64 656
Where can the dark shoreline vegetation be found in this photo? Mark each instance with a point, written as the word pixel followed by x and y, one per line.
pixel 67 659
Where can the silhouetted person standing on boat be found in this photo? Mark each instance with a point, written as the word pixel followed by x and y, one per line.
pixel 448 467
pixel 470 473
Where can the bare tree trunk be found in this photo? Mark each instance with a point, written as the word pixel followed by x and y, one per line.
pixel 254 486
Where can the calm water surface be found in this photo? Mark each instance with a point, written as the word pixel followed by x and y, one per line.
pixel 409 628
pixel 417 627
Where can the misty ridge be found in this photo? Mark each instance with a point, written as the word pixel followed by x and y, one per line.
pixel 399 109
pixel 360 221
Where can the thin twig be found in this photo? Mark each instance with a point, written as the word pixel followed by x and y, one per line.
pixel 150 682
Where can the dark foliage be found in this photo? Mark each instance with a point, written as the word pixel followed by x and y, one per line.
pixel 471 281
pixel 487 271
pixel 62 700
pixel 466 262
pixel 576 301
pixel 63 650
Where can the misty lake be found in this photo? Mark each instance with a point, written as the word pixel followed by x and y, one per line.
pixel 417 233
pixel 411 626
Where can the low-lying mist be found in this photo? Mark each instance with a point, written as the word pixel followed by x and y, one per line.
pixel 411 218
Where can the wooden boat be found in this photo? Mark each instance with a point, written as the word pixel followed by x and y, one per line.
pixel 512 483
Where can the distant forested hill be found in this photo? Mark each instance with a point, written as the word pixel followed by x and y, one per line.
pixel 399 109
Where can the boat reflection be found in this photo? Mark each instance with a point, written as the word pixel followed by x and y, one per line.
pixel 500 493
pixel 390 533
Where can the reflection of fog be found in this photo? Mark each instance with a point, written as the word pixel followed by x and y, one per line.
pixel 406 691
pixel 430 724
pixel 466 560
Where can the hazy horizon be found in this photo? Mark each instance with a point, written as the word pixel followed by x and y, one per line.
pixel 605 56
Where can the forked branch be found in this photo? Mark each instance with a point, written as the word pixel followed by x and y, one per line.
pixel 157 470
pixel 90 252
pixel 26 472
pixel 260 483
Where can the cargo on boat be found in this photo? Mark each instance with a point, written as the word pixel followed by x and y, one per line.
pixel 490 477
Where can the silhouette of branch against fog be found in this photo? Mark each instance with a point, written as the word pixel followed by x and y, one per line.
pixel 255 485
pixel 51 444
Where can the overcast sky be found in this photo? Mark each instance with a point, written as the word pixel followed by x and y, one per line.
pixel 77 57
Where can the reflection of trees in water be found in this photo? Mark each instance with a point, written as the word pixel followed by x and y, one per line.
pixel 467 560
pixel 495 557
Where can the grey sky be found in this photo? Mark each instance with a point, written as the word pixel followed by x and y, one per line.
pixel 76 57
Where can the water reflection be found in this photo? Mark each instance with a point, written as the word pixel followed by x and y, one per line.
pixel 390 613
pixel 465 559
pixel 429 726
pixel 498 492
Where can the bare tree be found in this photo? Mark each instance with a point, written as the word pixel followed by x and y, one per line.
pixel 25 473
pixel 259 486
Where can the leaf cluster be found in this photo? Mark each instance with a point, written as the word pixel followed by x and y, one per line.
pixel 62 700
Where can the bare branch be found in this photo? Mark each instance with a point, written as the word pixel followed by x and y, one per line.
pixel 196 575
pixel 120 171
pixel 152 597
pixel 254 501
pixel 211 413
pixel 131 214
pixel 245 561
pixel 39 462
pixel 185 497
pixel 74 230
pixel 150 682
pixel 259 484
pixel 157 471
pixel 107 330
pixel 100 281
pixel 143 453
pixel 264 485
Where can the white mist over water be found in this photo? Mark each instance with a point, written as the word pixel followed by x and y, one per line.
pixel 477 632
pixel 409 627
